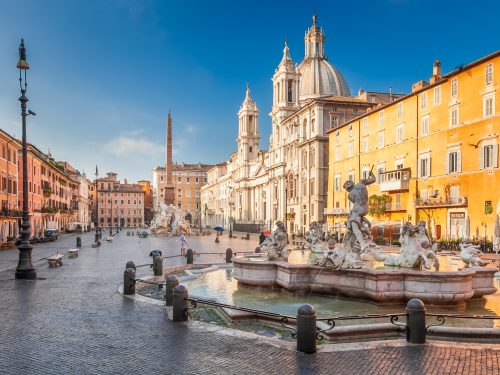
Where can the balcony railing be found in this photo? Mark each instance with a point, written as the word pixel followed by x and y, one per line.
pixel 396 180
pixel 441 202
pixel 11 213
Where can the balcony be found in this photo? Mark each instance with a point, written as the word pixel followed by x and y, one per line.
pixel 339 211
pixel 11 213
pixel 441 202
pixel 397 180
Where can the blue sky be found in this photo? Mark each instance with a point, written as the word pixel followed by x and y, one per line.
pixel 104 74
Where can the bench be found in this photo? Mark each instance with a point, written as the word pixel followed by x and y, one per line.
pixel 55 260
pixel 73 253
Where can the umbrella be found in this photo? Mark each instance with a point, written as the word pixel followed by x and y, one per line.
pixel 266 232
pixel 218 228
pixel 467 228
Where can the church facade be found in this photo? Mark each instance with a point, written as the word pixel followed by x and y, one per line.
pixel 289 181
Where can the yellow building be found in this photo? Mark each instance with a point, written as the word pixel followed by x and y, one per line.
pixel 434 152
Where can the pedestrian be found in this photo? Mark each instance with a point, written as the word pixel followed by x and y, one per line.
pixel 262 238
pixel 217 238
pixel 183 243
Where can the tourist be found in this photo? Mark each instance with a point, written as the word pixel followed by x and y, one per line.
pixel 183 243
pixel 262 238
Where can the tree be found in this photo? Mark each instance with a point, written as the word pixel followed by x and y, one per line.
pixel 377 204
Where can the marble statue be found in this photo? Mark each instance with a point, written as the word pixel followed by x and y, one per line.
pixel 276 244
pixel 358 236
pixel 169 219
pixel 423 237
pixel 471 255
pixel 412 255
pixel 337 258
pixel 313 238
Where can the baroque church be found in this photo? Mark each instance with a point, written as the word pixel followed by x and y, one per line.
pixel 289 181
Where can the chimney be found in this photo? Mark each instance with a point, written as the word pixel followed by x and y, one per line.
pixel 436 72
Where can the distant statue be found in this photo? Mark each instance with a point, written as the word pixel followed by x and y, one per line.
pixel 169 219
pixel 314 236
pixel 358 227
pixel 423 237
pixel 471 255
pixel 337 258
pixel 412 255
pixel 275 245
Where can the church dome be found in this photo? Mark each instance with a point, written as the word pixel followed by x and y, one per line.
pixel 317 76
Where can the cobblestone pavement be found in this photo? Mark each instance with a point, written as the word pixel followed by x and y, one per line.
pixel 72 320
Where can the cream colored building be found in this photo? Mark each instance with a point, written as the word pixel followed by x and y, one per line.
pixel 288 182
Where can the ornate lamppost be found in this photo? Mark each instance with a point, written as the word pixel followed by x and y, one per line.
pixel 97 235
pixel 25 269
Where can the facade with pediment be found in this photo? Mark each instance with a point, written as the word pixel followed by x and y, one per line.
pixel 289 181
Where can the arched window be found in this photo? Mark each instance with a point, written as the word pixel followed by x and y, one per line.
pixel 312 126
pixel 304 159
pixel 289 90
pixel 311 158
pixel 304 129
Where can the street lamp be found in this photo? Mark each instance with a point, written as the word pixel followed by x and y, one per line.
pixel 97 235
pixel 111 223
pixel 25 269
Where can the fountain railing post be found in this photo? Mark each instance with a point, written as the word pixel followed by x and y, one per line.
pixel 415 322
pixel 129 281
pixel 180 303
pixel 189 256
pixel 306 329
pixel 171 281
pixel 157 265
pixel 229 255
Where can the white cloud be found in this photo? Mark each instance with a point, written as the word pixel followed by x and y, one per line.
pixel 191 129
pixel 125 145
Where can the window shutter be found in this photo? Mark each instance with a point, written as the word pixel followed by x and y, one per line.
pixel 495 156
pixel 481 157
pixel 430 162
pixel 459 161
pixel 447 163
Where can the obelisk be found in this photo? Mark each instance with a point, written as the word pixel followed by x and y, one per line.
pixel 169 186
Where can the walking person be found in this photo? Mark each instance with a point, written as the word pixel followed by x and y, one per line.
pixel 183 243
pixel 262 238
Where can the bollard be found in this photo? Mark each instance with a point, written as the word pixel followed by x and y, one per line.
pixel 229 255
pixel 171 281
pixel 130 264
pixel 129 281
pixel 415 322
pixel 158 265
pixel 78 241
pixel 128 233
pixel 189 256
pixel 180 303
pixel 306 329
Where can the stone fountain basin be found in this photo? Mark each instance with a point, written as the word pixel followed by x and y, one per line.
pixel 379 285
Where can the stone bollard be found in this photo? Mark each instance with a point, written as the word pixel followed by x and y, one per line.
pixel 130 264
pixel 78 241
pixel 189 256
pixel 158 265
pixel 306 329
pixel 171 281
pixel 180 303
pixel 229 255
pixel 415 322
pixel 129 281
pixel 128 233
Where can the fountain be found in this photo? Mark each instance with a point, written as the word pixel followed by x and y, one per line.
pixel 348 270
pixel 169 220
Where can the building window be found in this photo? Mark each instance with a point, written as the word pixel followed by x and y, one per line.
pixel 380 139
pixel 381 118
pixel 453 117
pixel 365 124
pixel 365 173
pixel 312 158
pixel 337 137
pixel 423 100
pixel 337 153
pixel 250 148
pixel 179 193
pixel 350 149
pixel 399 111
pixel 400 133
pixel 424 125
pixel 312 191
pixel 488 105
pixel 454 88
pixel 454 161
pixel 437 95
pixel 337 183
pixel 179 179
pixel 424 165
pixel 488 156
pixel 187 179
pixel 349 132
pixel 350 176
pixel 365 144
pixel 488 75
